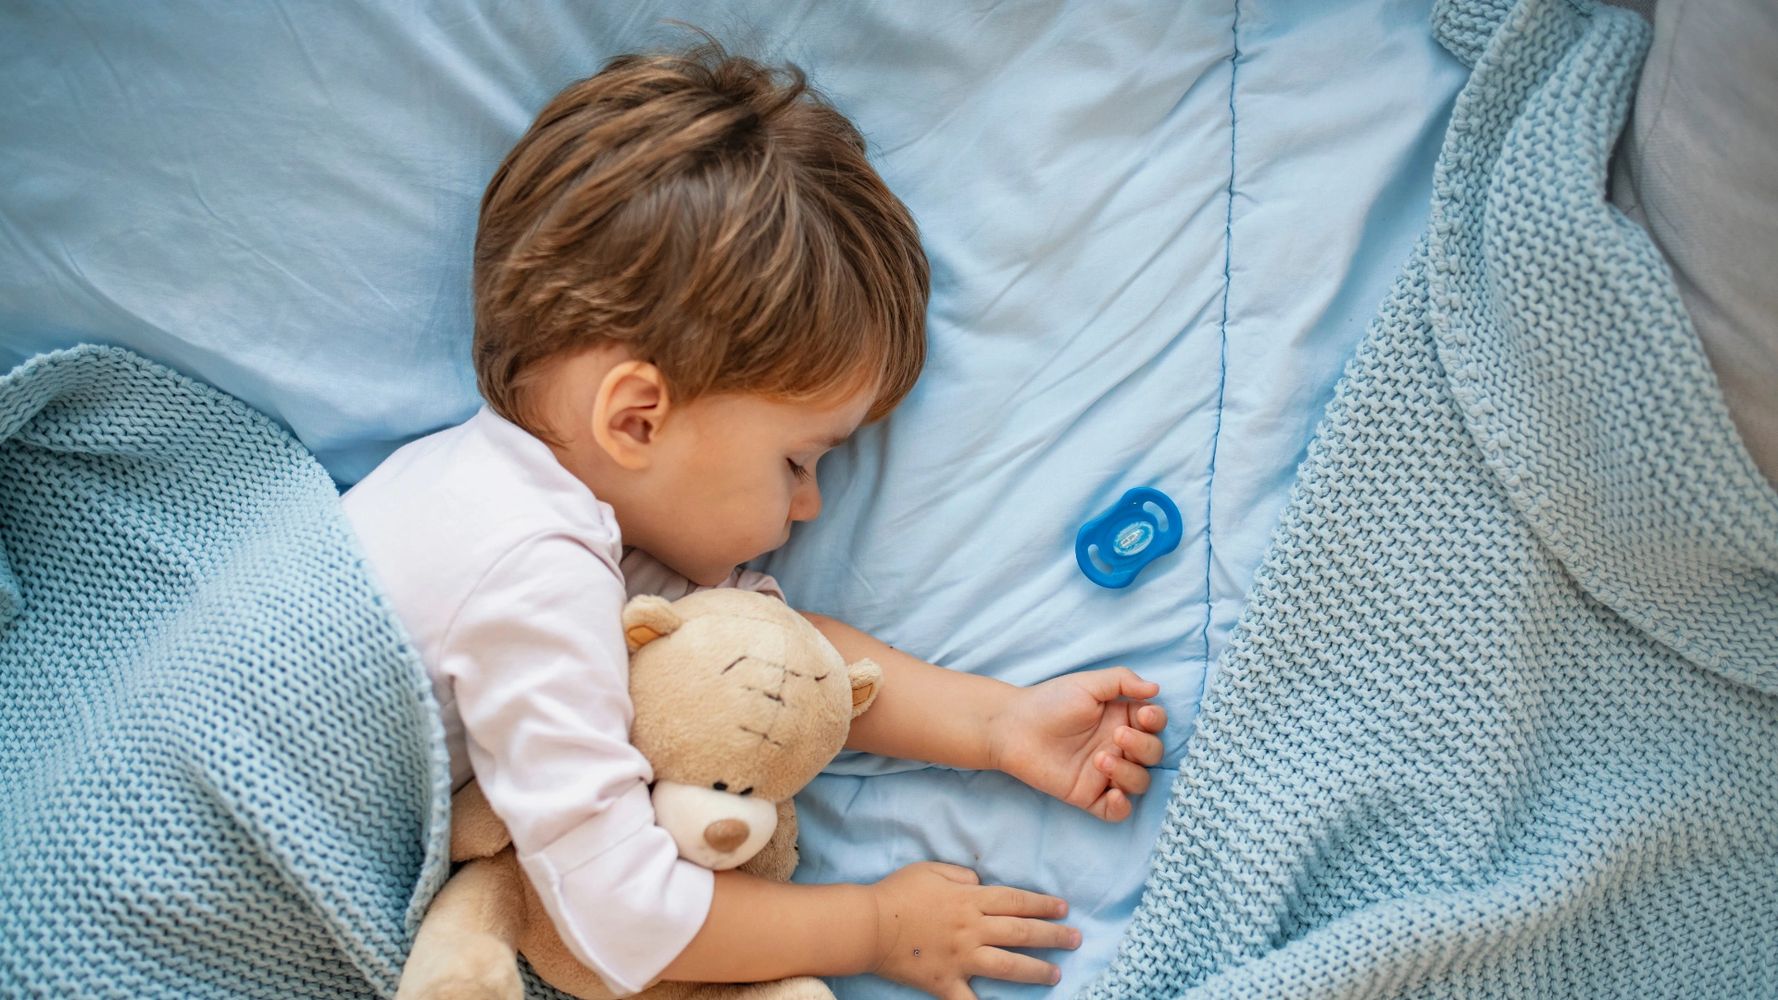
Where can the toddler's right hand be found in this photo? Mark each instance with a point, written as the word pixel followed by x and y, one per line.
pixel 937 926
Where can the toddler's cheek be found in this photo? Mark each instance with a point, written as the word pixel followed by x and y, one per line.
pixel 772 538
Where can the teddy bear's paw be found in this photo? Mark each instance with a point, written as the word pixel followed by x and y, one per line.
pixel 805 988
pixel 477 967
pixel 799 988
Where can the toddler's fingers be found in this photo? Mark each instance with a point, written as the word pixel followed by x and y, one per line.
pixel 1132 778
pixel 998 963
pixel 1005 901
pixel 1150 717
pixel 1131 686
pixel 1139 746
pixel 1109 684
pixel 1023 932
pixel 1112 807
pixel 959 991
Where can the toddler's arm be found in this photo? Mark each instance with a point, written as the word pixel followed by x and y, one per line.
pixel 929 926
pixel 1086 738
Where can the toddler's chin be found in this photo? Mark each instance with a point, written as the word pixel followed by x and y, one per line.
pixel 699 572
pixel 716 574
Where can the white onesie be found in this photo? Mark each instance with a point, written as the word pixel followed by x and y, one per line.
pixel 510 576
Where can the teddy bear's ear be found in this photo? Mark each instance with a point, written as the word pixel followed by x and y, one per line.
pixel 647 618
pixel 867 680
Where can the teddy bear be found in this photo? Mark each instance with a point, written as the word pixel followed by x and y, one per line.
pixel 739 703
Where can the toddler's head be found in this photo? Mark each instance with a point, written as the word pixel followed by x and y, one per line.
pixel 691 283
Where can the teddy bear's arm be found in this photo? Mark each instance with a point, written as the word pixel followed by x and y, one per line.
pixel 778 858
pixel 467 945
pixel 475 831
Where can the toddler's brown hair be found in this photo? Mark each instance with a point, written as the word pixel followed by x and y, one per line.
pixel 716 215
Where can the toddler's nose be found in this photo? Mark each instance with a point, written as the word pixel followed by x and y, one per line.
pixel 726 834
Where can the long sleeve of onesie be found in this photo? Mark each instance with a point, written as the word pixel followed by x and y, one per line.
pixel 537 664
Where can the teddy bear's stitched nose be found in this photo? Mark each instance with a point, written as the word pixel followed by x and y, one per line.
pixel 726 834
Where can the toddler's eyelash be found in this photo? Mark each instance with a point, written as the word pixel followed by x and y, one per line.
pixel 802 473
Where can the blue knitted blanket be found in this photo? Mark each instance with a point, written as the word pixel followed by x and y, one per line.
pixel 1501 717
pixel 219 776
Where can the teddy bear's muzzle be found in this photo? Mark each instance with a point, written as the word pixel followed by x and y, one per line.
pixel 718 830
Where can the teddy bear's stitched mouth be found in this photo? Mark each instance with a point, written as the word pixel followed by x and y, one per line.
pixel 766 737
pixel 776 696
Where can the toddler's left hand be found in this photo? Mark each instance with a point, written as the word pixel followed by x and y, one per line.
pixel 1087 739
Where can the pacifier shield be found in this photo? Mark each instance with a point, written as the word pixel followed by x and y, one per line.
pixel 1141 527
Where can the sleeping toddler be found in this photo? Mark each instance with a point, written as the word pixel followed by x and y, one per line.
pixel 689 285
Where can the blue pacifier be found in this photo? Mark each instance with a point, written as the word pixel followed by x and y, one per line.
pixel 1141 527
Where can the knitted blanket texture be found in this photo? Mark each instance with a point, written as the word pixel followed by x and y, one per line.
pixel 219 774
pixel 1501 716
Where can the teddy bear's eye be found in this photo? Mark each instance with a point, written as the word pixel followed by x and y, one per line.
pixel 721 786
pixel 746 791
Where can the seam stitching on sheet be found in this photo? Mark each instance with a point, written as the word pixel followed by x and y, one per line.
pixel 1222 377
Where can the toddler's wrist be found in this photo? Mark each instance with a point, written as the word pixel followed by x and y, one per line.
pixel 867 903
pixel 998 727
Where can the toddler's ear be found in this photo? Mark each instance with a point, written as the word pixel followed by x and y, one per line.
pixel 629 411
pixel 867 680
pixel 647 618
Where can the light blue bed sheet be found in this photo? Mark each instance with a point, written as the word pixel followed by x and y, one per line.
pixel 1156 231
